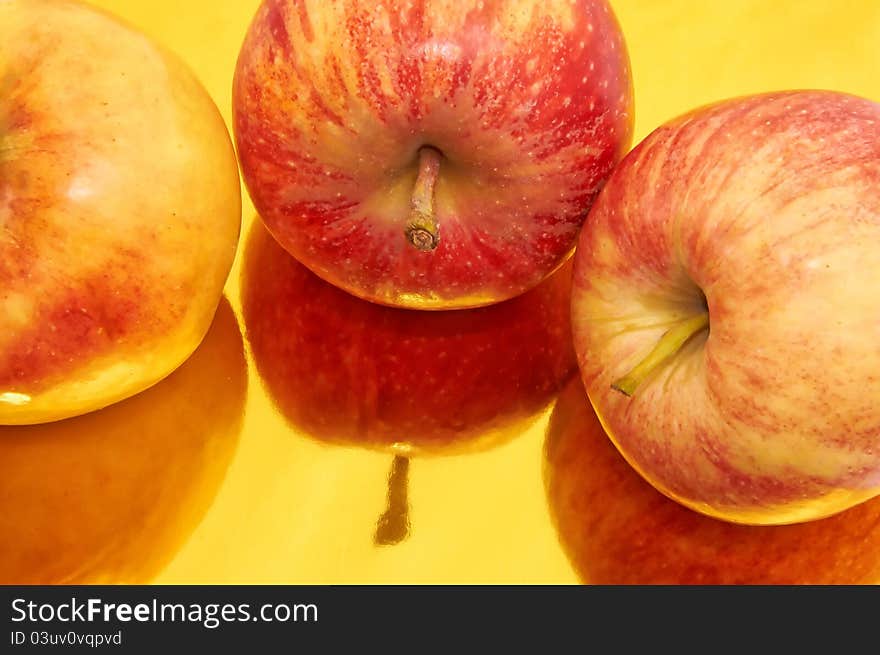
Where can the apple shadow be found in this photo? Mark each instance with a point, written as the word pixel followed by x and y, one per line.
pixel 348 372
pixel 110 497
pixel 615 528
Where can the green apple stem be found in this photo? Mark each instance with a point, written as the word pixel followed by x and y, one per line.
pixel 393 525
pixel 669 344
pixel 422 230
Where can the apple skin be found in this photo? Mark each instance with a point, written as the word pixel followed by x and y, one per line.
pixel 120 210
pixel 769 206
pixel 616 528
pixel 530 104
pixel 110 497
pixel 349 372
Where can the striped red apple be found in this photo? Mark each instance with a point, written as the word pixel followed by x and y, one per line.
pixel 726 309
pixel 431 154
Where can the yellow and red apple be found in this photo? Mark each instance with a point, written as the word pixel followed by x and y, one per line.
pixel 726 310
pixel 119 210
pixel 435 154
pixel 616 528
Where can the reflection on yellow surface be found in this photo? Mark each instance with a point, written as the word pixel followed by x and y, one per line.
pixel 110 496
pixel 293 510
pixel 618 529
pixel 347 371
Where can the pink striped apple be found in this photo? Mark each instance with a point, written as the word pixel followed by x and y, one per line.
pixel 435 153
pixel 726 308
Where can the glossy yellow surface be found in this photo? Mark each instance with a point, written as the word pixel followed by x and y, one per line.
pixel 294 511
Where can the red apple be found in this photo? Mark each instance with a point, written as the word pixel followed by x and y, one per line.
pixel 109 497
pixel 430 154
pixel 347 371
pixel 617 529
pixel 120 210
pixel 726 312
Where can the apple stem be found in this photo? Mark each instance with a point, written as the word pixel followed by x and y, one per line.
pixel 393 525
pixel 422 230
pixel 670 343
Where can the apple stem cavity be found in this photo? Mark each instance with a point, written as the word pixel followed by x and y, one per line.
pixel 669 344
pixel 422 230
pixel 393 525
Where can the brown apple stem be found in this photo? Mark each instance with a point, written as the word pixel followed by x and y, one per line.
pixel 422 230
pixel 670 343
pixel 393 525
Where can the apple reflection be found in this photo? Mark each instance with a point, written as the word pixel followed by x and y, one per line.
pixel 616 528
pixel 346 371
pixel 109 497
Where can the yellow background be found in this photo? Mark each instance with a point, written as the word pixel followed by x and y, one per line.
pixel 293 511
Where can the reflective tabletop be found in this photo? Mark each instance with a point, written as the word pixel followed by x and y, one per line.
pixel 239 469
